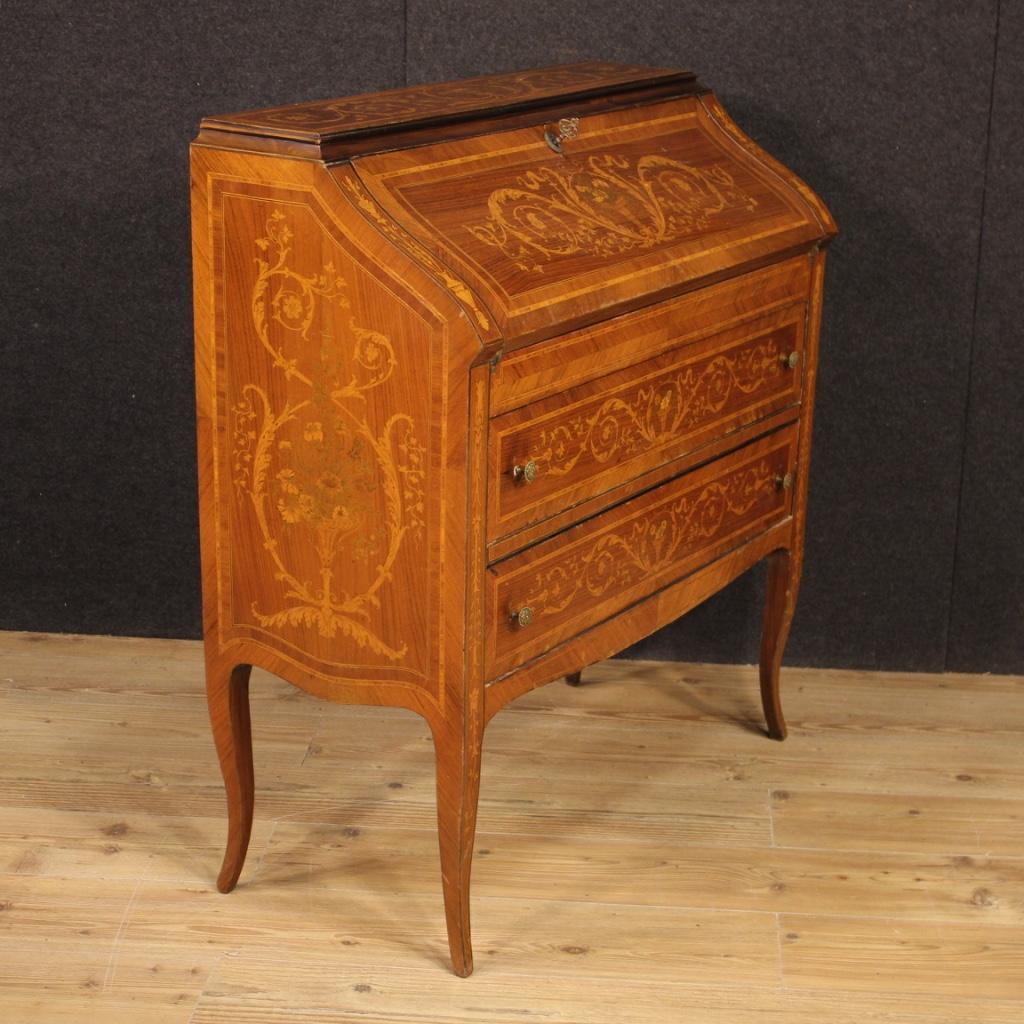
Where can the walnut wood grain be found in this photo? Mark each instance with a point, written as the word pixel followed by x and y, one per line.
pixel 529 373
pixel 227 691
pixel 637 207
pixel 380 341
pixel 596 435
pixel 624 489
pixel 607 638
pixel 597 568
pixel 445 102
pixel 305 315
pixel 336 149
pixel 785 566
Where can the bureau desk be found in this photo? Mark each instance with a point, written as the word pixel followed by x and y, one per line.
pixel 494 378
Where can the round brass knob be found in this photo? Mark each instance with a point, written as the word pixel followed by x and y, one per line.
pixel 790 361
pixel 784 482
pixel 523 617
pixel 525 474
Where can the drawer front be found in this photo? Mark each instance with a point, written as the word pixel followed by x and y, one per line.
pixel 554 453
pixel 558 588
pixel 548 368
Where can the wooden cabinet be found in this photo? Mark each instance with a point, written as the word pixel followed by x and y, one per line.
pixel 493 379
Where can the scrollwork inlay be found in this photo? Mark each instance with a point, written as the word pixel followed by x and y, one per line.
pixel 628 424
pixel 607 205
pixel 650 543
pixel 316 462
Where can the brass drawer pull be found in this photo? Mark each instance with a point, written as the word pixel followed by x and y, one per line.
pixel 783 483
pixel 523 617
pixel 525 474
pixel 790 361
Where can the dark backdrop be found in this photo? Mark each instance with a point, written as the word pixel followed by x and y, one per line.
pixel 905 117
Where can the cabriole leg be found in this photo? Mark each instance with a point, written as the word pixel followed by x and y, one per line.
pixel 458 791
pixel 227 693
pixel 780 603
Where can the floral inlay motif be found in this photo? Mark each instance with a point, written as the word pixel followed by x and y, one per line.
pixel 651 542
pixel 605 206
pixel 316 463
pixel 627 424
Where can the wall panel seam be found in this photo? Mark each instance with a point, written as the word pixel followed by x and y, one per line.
pixel 965 433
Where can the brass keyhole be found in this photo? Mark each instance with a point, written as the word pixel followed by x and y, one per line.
pixel 567 128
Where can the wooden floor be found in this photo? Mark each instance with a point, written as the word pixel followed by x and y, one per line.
pixel 644 853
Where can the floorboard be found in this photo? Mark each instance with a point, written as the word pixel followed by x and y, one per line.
pixel 644 854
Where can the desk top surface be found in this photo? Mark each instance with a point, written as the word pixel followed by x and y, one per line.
pixel 468 99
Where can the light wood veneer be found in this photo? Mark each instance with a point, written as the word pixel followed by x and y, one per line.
pixel 492 381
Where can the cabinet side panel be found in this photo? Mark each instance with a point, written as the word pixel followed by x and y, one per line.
pixel 324 381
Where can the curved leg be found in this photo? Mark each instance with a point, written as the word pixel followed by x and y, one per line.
pixel 227 693
pixel 780 603
pixel 458 791
pixel 574 678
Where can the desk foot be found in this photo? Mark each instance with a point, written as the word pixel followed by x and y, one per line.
pixel 227 694
pixel 458 792
pixel 780 603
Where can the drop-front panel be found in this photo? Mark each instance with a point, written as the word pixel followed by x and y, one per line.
pixel 493 379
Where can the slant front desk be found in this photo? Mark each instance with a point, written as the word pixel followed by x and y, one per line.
pixel 495 378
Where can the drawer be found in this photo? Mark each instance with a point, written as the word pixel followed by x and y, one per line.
pixel 549 367
pixel 558 588
pixel 558 451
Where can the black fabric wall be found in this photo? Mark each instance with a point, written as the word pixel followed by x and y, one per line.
pixel 906 118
